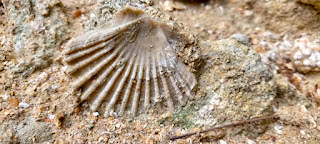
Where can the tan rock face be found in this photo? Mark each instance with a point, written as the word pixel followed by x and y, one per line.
pixel 236 84
pixel 38 27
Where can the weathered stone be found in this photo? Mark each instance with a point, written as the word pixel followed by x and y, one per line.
pixel 38 28
pixel 30 131
pixel 235 82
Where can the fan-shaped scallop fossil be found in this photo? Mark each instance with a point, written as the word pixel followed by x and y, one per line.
pixel 130 65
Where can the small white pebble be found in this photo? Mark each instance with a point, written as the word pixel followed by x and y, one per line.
pixel 54 87
pixel 307 62
pixel 263 43
pixel 210 31
pixel 248 13
pixel 287 44
pixel 23 105
pixel 313 57
pixel 251 141
pixel 3 40
pixel 50 116
pixel 95 114
pixel 208 7
pixel 297 55
pixel 64 68
pixel 92 15
pixel 274 108
pixel 222 142
pixel 302 132
pixel 317 56
pixel 221 9
pixel 117 125
pixel 197 26
pixel 306 52
pixel 278 128
pixel 303 108
pixel 43 75
pixel 4 97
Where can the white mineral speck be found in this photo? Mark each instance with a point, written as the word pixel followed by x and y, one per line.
pixel 317 56
pixel 221 9
pixel 313 57
pixel 64 68
pixel 306 52
pixel 42 75
pixel 3 40
pixel 4 97
pixel 251 141
pixel 95 114
pixel 222 142
pixel 23 105
pixel 297 55
pixel 263 43
pixel 278 128
pixel 197 26
pixel 54 87
pixel 307 62
pixel 50 116
pixel 92 15
pixel 302 132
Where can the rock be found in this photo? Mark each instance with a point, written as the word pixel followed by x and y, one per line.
pixel 233 85
pixel 38 28
pixel 30 131
pixel 236 83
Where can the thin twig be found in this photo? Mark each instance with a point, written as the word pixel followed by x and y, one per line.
pixel 220 127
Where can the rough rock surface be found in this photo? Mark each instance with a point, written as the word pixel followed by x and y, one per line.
pixel 29 131
pixel 235 76
pixel 38 27
pixel 235 83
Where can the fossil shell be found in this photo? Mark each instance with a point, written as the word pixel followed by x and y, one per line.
pixel 129 65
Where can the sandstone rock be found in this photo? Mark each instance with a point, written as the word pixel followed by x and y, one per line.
pixel 30 131
pixel 235 84
pixel 38 28
pixel 242 86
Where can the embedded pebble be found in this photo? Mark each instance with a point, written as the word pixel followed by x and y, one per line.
pixel 278 128
pixel 222 142
pixel 23 105
pixel 4 97
pixel 3 40
pixel 95 114
pixel 51 116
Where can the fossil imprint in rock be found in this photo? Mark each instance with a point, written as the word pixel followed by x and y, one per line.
pixel 129 66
